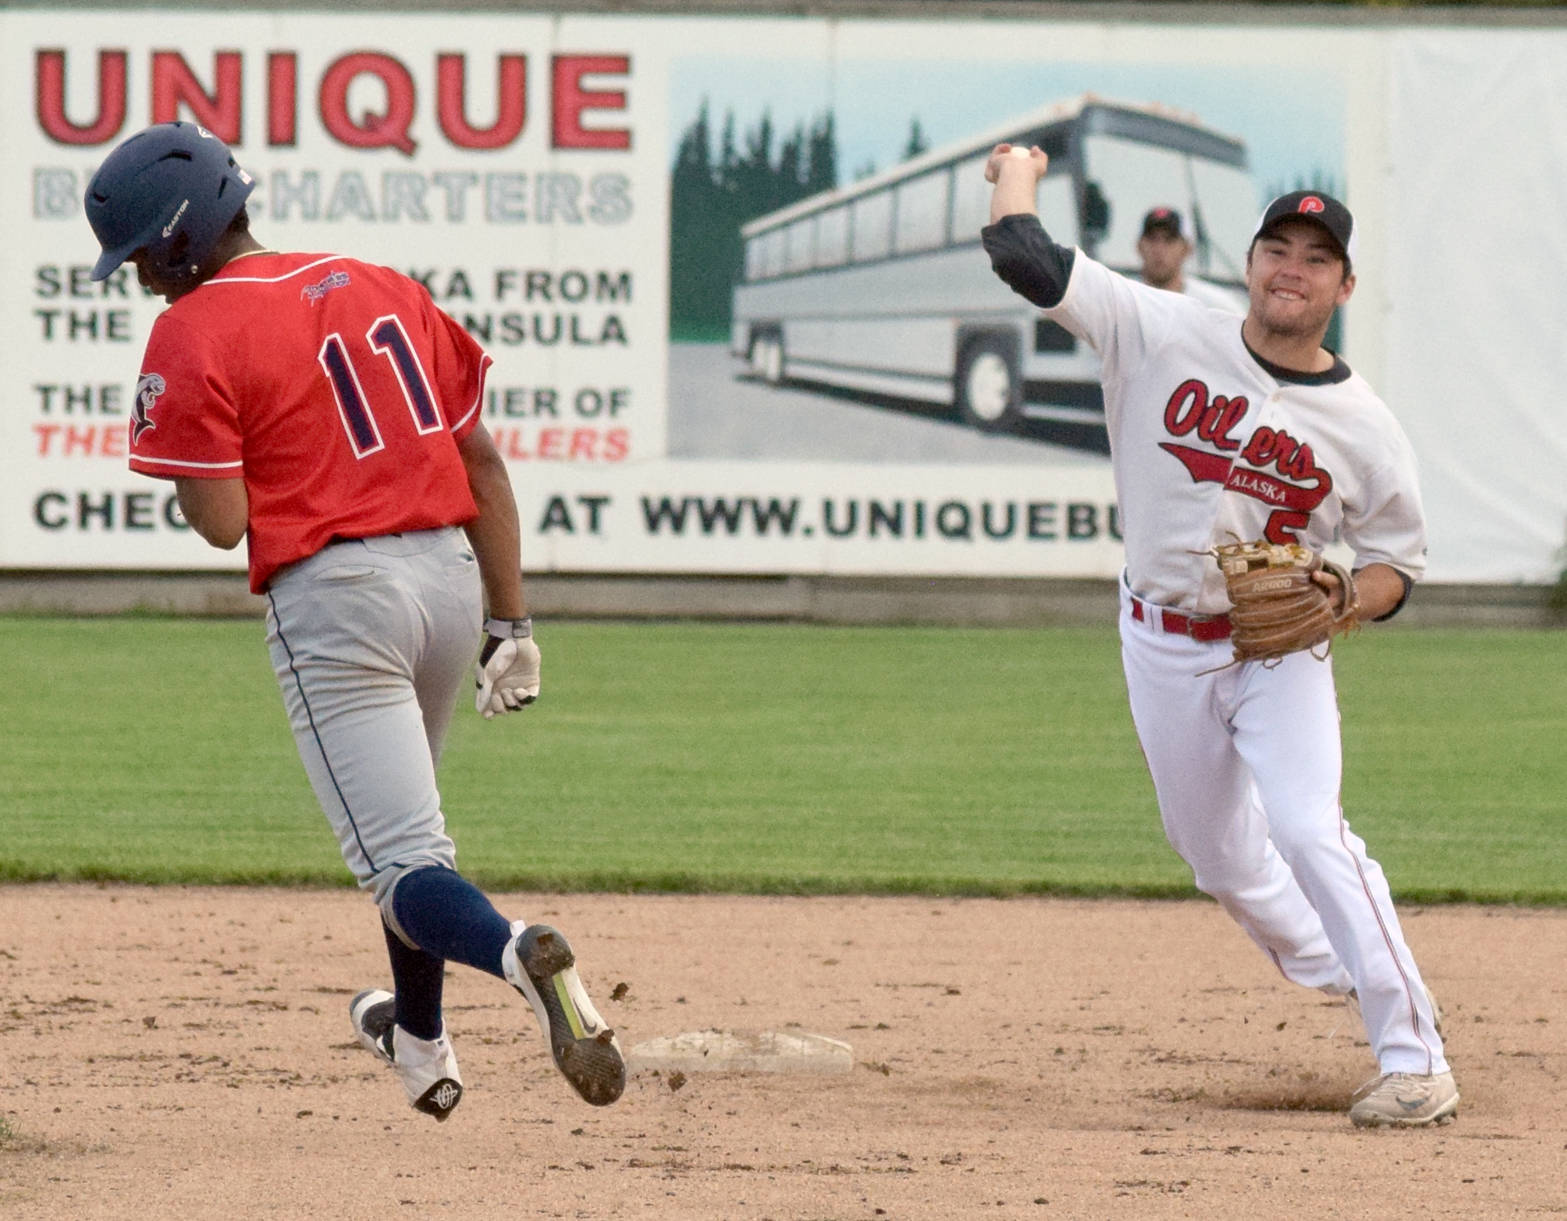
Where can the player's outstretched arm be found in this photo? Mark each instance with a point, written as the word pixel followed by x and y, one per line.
pixel 1020 250
pixel 217 509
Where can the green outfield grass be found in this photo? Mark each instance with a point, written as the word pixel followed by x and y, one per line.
pixel 767 758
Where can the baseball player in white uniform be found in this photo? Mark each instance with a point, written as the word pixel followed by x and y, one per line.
pixel 1224 426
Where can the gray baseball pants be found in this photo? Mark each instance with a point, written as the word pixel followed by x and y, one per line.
pixel 371 640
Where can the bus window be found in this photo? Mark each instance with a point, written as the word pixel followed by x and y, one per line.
pixel 770 249
pixel 922 212
pixel 832 237
pixel 970 198
pixel 1133 177
pixel 798 246
pixel 1223 216
pixel 1136 175
pixel 1058 209
pixel 872 238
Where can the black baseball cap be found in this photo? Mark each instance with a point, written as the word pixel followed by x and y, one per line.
pixel 1315 206
pixel 1166 220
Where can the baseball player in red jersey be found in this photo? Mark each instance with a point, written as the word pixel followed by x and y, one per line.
pixel 327 412
pixel 1223 426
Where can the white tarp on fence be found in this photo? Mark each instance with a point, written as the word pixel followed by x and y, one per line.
pixel 1477 310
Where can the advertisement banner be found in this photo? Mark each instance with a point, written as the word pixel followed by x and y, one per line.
pixel 515 167
pixel 728 268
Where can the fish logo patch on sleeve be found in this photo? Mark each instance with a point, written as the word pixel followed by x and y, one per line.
pixel 148 389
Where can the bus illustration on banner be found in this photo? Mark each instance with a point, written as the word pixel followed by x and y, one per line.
pixel 881 287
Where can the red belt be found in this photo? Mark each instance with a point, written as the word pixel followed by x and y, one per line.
pixel 1198 627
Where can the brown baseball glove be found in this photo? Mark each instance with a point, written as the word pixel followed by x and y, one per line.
pixel 1277 608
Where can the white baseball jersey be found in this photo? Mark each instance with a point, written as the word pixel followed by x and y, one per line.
pixel 1208 442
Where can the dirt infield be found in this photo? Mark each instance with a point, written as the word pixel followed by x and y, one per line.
pixel 186 1053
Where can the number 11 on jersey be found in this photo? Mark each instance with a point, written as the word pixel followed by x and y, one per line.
pixel 386 339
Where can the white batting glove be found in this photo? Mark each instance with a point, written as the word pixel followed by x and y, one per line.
pixel 507 674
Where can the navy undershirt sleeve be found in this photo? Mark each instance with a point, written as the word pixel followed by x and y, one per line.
pixel 1027 260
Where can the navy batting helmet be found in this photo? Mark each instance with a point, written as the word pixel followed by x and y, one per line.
pixel 171 189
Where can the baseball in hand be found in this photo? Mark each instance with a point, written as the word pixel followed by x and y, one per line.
pixel 1020 151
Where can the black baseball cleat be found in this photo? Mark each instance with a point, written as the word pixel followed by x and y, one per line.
pixel 539 963
pixel 427 1067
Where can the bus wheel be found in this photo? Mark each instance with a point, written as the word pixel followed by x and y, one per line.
pixel 988 391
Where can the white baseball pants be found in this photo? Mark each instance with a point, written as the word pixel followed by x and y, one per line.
pixel 1247 764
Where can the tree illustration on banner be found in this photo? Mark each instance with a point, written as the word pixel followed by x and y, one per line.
pixel 712 194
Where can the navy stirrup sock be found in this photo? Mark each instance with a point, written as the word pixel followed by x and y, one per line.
pixel 416 987
pixel 447 916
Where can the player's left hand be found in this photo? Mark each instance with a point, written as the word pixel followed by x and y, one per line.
pixel 507 673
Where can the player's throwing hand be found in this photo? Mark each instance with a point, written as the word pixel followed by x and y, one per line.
pixel 507 673
pixel 1036 158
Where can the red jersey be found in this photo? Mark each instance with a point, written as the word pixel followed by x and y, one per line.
pixel 335 388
